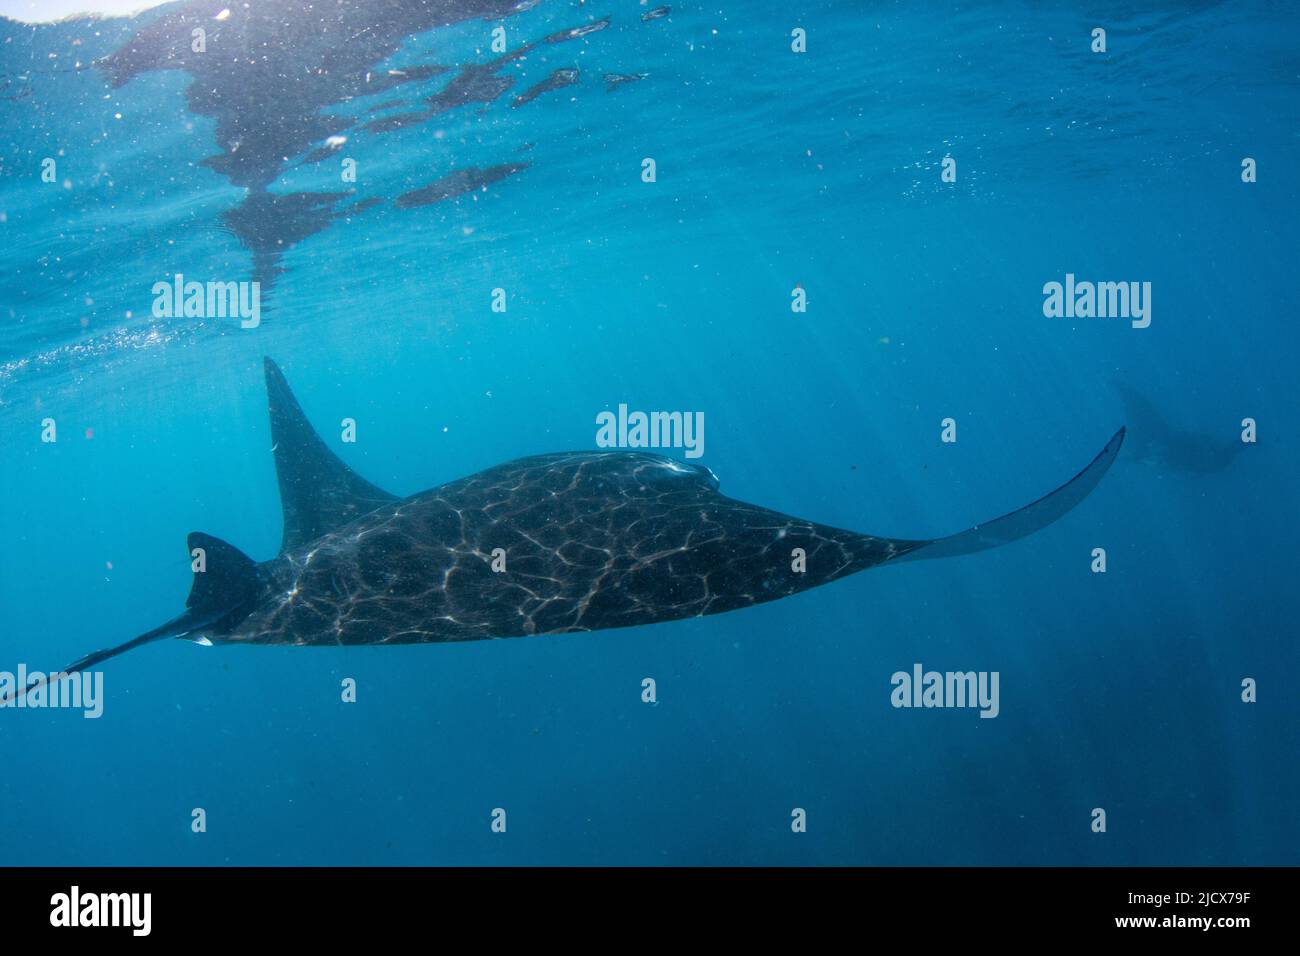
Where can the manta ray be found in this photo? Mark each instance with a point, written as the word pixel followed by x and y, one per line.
pixel 1175 447
pixel 550 544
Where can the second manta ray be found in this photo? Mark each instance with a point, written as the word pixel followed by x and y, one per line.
pixel 578 541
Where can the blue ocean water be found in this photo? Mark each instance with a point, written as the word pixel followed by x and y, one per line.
pixel 775 170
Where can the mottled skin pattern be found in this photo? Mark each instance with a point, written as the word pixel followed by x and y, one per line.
pixel 591 541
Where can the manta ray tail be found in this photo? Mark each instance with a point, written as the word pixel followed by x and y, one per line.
pixel 176 627
pixel 1023 522
pixel 319 492
pixel 225 579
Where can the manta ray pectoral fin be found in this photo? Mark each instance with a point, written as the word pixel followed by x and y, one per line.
pixel 1026 520
pixel 317 491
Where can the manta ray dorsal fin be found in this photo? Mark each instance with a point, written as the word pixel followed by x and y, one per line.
pixel 228 578
pixel 317 491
